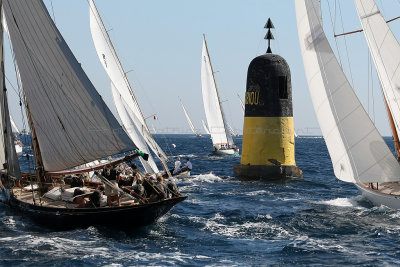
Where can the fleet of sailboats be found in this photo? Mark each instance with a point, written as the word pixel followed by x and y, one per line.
pixel 71 125
pixel 216 124
pixel 358 152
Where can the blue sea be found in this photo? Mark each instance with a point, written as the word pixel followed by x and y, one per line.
pixel 317 220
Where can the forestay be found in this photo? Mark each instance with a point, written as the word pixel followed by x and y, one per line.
pixel 8 156
pixel 357 150
pixel 112 65
pixel 385 51
pixel 211 101
pixel 73 124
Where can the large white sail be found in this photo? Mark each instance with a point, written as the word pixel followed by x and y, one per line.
pixel 191 125
pixel 211 101
pixel 385 51
pixel 8 156
pixel 357 150
pixel 149 165
pixel 205 127
pixel 73 124
pixel 112 65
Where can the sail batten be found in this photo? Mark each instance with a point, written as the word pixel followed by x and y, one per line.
pixel 134 123
pixel 358 152
pixel 72 123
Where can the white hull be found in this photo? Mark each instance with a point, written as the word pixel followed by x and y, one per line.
pixel 224 152
pixel 378 198
pixel 182 175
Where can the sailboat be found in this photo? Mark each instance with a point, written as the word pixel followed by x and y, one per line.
pixel 191 125
pixel 358 152
pixel 70 126
pixel 232 131
pixel 17 142
pixel 125 101
pixel 221 137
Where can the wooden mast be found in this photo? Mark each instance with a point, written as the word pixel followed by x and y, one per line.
pixel 394 132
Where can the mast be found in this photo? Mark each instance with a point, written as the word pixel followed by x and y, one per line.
pixel 216 88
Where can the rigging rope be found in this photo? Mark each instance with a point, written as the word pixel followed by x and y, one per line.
pixel 333 24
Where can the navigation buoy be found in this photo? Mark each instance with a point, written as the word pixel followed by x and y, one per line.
pixel 268 132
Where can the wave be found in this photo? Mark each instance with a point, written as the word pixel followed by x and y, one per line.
pixel 207 178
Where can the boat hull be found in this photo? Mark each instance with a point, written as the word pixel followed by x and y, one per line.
pixel 378 198
pixel 65 218
pixel 225 152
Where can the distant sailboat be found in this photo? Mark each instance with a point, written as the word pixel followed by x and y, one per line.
pixel 232 131
pixel 191 125
pixel 17 142
pixel 205 127
pixel 70 126
pixel 221 137
pixel 358 152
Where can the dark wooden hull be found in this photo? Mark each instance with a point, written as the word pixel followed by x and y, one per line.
pixel 64 218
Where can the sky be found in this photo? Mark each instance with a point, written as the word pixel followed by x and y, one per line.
pixel 159 44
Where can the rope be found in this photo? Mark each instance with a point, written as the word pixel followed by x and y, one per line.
pixel 333 24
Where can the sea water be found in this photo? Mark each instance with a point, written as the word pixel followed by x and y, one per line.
pixel 317 220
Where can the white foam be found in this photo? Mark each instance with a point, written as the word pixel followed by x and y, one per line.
pixel 208 178
pixel 340 202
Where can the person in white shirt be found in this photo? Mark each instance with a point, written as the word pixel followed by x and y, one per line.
pixel 178 165
pixel 188 164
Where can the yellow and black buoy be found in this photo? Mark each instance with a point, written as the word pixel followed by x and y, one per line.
pixel 268 132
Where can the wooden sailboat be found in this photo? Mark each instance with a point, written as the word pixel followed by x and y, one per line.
pixel 358 152
pixel 191 125
pixel 220 135
pixel 70 126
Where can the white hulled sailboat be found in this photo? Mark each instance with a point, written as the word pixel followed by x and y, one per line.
pixel 358 152
pixel 220 135
pixel 125 101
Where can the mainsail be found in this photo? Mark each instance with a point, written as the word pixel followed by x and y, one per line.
pixel 357 150
pixel 125 101
pixel 72 123
pixel 191 125
pixel 211 101
pixel 385 51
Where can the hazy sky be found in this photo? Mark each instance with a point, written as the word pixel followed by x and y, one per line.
pixel 159 43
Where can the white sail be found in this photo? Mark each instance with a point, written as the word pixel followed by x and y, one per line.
pixel 385 51
pixel 8 156
pixel 112 65
pixel 357 150
pixel 205 127
pixel 241 104
pixel 14 125
pixel 73 124
pixel 211 101
pixel 189 120
pixel 149 165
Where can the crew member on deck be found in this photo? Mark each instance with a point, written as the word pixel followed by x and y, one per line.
pixel 188 166
pixel 178 165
